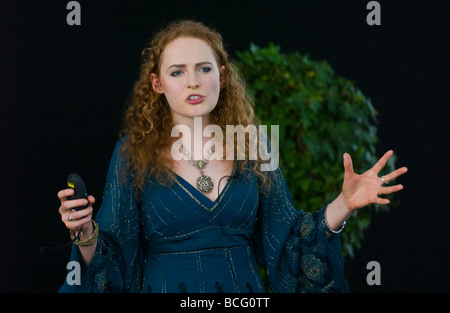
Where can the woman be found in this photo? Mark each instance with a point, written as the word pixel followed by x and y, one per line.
pixel 170 224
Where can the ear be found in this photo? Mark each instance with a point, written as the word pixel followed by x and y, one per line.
pixel 156 84
pixel 222 75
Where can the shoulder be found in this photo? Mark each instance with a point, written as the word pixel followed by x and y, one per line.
pixel 120 148
pixel 121 143
pixel 119 155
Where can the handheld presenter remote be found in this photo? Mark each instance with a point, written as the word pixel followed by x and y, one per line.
pixel 75 182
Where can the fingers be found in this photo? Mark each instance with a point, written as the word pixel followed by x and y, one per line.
pixel 71 204
pixel 74 220
pixel 68 205
pixel 348 164
pixel 78 215
pixel 389 190
pixel 382 201
pixel 382 161
pixel 63 194
pixel 91 199
pixel 394 175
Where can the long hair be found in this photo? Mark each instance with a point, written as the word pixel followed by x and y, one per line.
pixel 148 121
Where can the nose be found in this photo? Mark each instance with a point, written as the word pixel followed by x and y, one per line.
pixel 193 82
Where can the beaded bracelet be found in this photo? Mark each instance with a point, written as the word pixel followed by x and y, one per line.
pixel 327 227
pixel 87 242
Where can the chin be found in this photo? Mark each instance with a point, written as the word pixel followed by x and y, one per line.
pixel 201 112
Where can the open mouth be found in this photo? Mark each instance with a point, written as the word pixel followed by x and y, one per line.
pixel 195 99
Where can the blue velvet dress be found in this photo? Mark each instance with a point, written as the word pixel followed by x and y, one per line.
pixel 175 239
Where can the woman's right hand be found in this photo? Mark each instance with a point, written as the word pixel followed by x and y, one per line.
pixel 78 219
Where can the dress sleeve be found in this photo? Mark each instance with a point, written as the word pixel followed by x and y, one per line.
pixel 293 245
pixel 116 265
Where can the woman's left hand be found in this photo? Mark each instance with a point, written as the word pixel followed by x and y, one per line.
pixel 361 190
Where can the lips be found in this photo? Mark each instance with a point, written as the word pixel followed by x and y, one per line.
pixel 195 99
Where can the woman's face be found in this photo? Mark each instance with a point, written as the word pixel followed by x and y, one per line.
pixel 189 78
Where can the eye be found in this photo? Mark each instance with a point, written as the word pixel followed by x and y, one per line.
pixel 205 69
pixel 175 73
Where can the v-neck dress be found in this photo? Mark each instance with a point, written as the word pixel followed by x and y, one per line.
pixel 175 239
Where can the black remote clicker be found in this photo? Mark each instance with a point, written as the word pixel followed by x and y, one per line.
pixel 75 182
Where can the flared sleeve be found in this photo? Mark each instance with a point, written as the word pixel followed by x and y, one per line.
pixel 293 245
pixel 116 265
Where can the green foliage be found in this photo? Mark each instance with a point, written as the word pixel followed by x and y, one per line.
pixel 320 116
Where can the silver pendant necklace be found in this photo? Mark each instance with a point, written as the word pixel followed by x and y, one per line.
pixel 204 182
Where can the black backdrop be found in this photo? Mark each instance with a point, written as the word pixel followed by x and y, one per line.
pixel 63 89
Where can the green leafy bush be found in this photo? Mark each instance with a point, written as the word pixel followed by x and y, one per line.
pixel 320 116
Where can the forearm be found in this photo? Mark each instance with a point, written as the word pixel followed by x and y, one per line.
pixel 337 213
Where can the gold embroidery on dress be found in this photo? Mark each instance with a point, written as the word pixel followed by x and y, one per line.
pixel 312 267
pixel 199 202
pixel 307 225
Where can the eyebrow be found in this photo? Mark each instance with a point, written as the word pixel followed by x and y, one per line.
pixel 184 65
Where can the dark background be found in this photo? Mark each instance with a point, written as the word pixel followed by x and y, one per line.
pixel 63 90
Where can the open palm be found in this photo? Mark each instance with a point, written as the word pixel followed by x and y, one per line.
pixel 361 190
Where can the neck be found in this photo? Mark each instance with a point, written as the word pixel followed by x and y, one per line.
pixel 193 139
